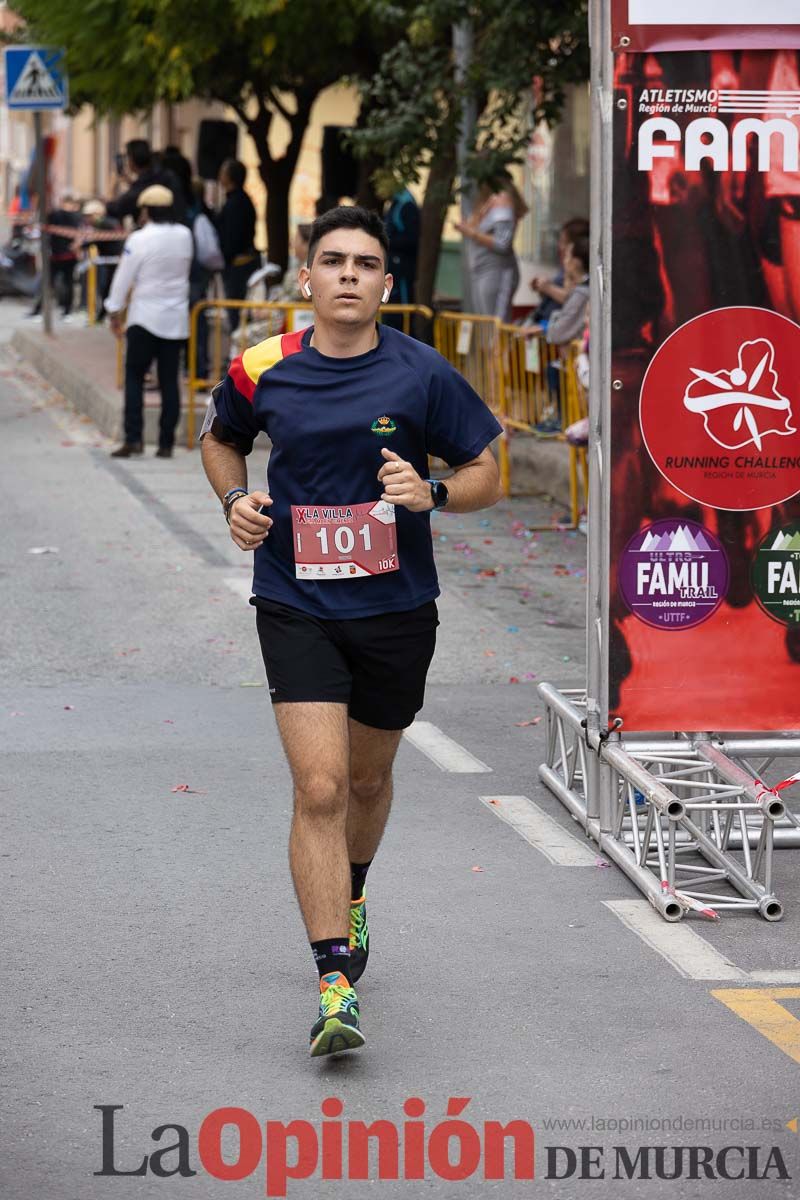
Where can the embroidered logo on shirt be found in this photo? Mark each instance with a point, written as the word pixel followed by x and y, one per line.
pixel 383 426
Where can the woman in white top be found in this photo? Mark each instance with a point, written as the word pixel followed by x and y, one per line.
pixel 490 229
pixel 152 279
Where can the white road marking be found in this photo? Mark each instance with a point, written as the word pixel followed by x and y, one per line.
pixel 443 751
pixel 242 587
pixel 688 952
pixel 777 976
pixel 541 830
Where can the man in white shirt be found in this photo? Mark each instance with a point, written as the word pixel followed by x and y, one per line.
pixel 152 279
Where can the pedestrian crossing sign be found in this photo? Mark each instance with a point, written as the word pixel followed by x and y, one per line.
pixel 35 78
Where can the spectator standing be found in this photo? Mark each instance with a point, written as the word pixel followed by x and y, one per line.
pixel 490 229
pixel 553 292
pixel 63 255
pixel 569 321
pixel 94 218
pixel 402 221
pixel 207 259
pixel 141 172
pixel 566 325
pixel 236 226
pixel 154 273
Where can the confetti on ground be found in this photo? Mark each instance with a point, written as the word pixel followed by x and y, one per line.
pixel 43 550
pixel 168 721
pixel 601 862
pixel 490 653
pixel 477 868
pixel 512 629
pixel 525 724
pixel 248 684
pixel 513 679
pixel 184 787
pixel 69 708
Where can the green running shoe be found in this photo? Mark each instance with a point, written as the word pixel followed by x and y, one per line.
pixel 359 937
pixel 337 1028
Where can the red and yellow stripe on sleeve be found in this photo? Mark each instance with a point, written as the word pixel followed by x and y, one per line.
pixel 246 370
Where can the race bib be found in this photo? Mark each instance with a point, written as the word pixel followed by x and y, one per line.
pixel 345 541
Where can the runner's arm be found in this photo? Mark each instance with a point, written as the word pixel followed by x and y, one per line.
pixel 226 468
pixel 475 484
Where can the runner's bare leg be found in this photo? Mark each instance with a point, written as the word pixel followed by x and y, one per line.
pixel 372 752
pixel 316 741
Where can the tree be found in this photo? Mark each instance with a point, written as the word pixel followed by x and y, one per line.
pixel 265 58
pixel 415 99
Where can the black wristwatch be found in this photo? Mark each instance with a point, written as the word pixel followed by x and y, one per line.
pixel 439 493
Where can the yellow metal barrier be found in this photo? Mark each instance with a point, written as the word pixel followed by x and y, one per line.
pixel 259 319
pixel 576 408
pixel 524 380
pixel 472 344
pixel 535 378
pixel 91 287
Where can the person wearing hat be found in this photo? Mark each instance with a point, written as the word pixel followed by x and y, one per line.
pixel 152 279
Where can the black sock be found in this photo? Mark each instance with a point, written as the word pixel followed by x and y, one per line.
pixel 332 954
pixel 358 877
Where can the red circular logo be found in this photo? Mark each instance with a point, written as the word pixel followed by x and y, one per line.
pixel 720 408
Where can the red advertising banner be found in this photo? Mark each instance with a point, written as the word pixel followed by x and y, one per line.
pixel 705 24
pixel 705 429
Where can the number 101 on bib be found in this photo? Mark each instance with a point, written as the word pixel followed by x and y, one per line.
pixel 346 541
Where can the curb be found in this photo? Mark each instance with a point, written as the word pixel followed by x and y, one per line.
pixel 59 364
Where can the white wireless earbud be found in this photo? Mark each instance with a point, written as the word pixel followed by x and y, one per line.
pixel 307 291
pixel 385 295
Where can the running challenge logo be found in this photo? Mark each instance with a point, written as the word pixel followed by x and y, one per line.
pixel 769 117
pixel 719 408
pixel 741 406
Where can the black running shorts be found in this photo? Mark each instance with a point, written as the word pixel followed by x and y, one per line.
pixel 375 665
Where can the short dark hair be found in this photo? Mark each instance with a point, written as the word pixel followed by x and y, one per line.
pixel 348 216
pixel 576 227
pixel 138 151
pixel 235 170
pixel 161 214
pixel 580 250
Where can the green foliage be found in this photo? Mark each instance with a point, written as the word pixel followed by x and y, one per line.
pixel 124 55
pixel 414 100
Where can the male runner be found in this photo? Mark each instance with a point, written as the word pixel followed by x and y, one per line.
pixel 345 583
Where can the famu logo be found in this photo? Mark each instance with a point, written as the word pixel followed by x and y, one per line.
pixel 776 574
pixel 673 575
pixel 383 426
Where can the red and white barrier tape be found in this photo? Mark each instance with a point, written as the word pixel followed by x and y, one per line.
pixel 762 791
pixel 689 902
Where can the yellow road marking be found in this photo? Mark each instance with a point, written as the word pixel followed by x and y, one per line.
pixel 760 1008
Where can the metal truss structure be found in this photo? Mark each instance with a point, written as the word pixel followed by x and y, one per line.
pixel 686 817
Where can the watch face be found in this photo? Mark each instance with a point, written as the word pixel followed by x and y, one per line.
pixel 440 495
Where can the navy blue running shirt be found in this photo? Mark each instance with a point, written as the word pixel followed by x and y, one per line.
pixel 328 420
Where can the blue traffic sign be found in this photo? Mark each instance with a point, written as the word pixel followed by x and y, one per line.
pixel 35 78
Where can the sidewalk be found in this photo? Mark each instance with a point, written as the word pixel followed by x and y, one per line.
pixel 81 362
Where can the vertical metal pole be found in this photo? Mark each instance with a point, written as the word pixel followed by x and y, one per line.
pixel 597 622
pixel 44 244
pixel 462 55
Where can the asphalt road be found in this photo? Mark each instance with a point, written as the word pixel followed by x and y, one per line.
pixel 153 954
